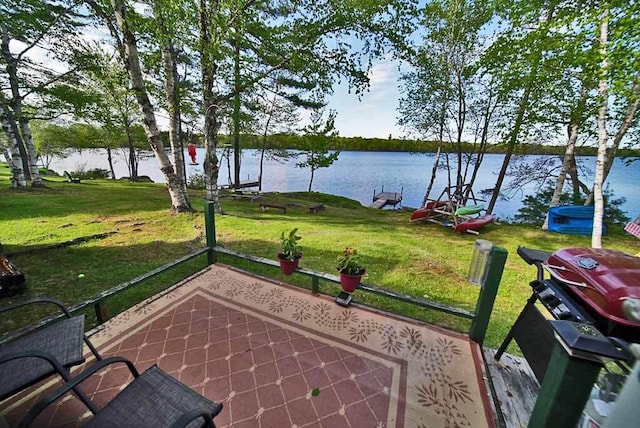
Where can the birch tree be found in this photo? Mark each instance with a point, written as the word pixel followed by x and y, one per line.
pixel 27 28
pixel 442 96
pixel 127 44
pixel 596 235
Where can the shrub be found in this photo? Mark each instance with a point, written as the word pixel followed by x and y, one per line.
pixel 91 174
pixel 196 181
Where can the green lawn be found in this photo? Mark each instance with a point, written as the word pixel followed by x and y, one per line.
pixel 424 260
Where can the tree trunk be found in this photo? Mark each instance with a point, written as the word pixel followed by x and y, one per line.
pixel 173 105
pixel 110 160
pixel 179 198
pixel 131 154
pixel 211 123
pixel 264 135
pixel 632 108
pixel 522 109
pixel 513 140
pixel 598 212
pixel 18 180
pixel 4 150
pixel 436 160
pixel 236 111
pixel 311 179
pixel 11 70
pixel 569 155
pixel 32 154
pixel 172 96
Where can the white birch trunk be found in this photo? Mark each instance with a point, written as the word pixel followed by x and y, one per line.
pixel 32 154
pixel 173 105
pixel 6 153
pixel 632 109
pixel 170 78
pixel 179 198
pixel 596 235
pixel 14 158
pixel 211 123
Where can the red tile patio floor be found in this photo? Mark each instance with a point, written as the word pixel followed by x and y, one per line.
pixel 281 357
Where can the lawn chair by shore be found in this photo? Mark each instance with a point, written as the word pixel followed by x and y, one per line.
pixel 71 179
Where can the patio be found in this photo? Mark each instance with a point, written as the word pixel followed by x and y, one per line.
pixel 280 356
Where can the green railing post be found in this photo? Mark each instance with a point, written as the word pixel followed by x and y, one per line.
pixel 101 312
pixel 210 226
pixel 565 390
pixel 315 287
pixel 487 295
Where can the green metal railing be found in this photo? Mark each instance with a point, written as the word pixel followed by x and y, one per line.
pixel 479 317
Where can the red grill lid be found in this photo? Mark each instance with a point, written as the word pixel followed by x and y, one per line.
pixel 601 278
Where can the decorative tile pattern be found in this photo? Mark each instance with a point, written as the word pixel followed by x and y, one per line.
pixel 279 357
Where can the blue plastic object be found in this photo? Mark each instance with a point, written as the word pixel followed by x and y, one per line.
pixel 572 219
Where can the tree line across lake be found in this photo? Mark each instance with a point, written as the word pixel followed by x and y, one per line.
pixel 52 140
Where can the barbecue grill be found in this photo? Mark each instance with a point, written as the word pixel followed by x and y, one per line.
pixel 585 286
pixel 587 293
pixel 599 281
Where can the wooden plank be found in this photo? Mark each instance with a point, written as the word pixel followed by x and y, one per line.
pixel 265 207
pixel 245 184
pixel 378 203
pixel 389 196
pixel 514 388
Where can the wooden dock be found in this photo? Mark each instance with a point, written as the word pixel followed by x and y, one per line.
pixel 514 388
pixel 242 185
pixel 383 199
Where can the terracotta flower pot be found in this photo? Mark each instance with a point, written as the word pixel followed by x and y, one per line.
pixel 351 282
pixel 288 266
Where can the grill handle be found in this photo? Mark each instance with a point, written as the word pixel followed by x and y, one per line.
pixel 552 271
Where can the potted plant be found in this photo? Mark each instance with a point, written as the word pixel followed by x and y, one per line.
pixel 351 270
pixel 290 253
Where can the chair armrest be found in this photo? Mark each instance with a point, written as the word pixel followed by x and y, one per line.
pixel 37 300
pixel 38 354
pixel 191 415
pixel 71 385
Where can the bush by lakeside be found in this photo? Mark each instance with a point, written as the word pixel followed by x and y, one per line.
pixel 136 233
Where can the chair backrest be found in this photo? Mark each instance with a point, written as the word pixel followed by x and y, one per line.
pixel 61 341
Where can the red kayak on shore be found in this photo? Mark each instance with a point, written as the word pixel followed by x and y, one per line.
pixel 424 212
pixel 474 223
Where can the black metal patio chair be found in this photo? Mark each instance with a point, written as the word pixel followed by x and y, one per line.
pixel 152 399
pixel 36 355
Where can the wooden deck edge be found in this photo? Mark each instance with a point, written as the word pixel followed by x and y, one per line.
pixel 513 386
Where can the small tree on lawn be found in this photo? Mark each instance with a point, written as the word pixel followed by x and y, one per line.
pixel 316 138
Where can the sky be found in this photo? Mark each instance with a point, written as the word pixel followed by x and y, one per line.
pixel 374 114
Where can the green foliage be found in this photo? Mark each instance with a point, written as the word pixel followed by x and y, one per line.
pixel 91 174
pixel 317 136
pixel 289 248
pixel 349 262
pixel 196 181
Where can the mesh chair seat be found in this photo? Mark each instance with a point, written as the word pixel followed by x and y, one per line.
pixel 153 399
pixel 63 340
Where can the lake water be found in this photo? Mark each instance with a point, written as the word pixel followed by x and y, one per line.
pixel 357 175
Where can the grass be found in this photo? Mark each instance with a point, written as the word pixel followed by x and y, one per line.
pixel 424 260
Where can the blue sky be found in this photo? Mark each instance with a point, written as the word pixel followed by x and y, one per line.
pixel 374 113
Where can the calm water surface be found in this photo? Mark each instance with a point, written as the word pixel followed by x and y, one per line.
pixel 357 175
